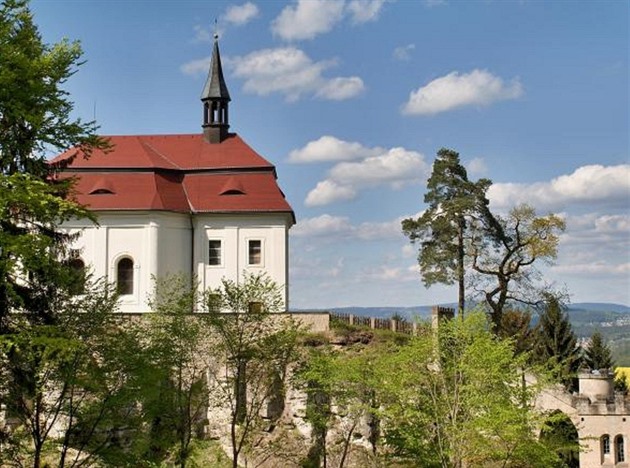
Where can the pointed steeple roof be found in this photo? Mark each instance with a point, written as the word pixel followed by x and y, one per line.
pixel 215 87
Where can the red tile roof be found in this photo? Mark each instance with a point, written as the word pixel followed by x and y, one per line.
pixel 186 152
pixel 180 173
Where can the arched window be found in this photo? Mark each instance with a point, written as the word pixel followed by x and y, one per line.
pixel 77 271
pixel 620 453
pixel 124 276
pixel 606 444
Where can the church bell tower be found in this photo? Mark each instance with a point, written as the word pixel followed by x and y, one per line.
pixel 215 98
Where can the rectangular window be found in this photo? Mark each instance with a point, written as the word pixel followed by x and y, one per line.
pixel 214 252
pixel 255 252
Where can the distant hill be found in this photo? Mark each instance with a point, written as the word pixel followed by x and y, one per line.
pixel 581 312
pixel 601 307
pixel 612 320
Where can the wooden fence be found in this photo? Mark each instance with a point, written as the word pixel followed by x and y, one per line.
pixel 399 326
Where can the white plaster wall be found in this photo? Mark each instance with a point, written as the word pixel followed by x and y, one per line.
pixel 235 231
pixel 160 243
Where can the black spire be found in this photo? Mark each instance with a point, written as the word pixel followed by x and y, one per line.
pixel 215 98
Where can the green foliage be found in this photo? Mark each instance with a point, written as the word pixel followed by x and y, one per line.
pixel 35 119
pixel 35 275
pixel 347 380
pixel 178 342
pixel 76 376
pixel 35 111
pixel 559 434
pixel 516 325
pixel 253 348
pixel 459 399
pixel 598 355
pixel 556 344
pixel 453 201
pixel 622 382
pixel 505 262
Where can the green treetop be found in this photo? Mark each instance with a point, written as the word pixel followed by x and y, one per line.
pixel 557 344
pixel 598 354
pixel 35 120
pixel 453 201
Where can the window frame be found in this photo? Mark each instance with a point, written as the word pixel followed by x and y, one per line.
pixel 130 280
pixel 605 445
pixel 620 450
pixel 220 251
pixel 261 258
pixel 79 270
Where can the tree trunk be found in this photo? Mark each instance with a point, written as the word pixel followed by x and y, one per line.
pixel 460 267
pixel 241 392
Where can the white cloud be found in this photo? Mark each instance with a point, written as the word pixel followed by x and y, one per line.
pixel 340 228
pixel 391 273
pixel 454 90
pixel 409 251
pixel 403 53
pixel 196 67
pixel 395 167
pixel 329 148
pixel 289 71
pixel 477 167
pixel 324 225
pixel 594 237
pixel 338 89
pixel 589 269
pixel 328 191
pixel 305 19
pixel 241 14
pixel 592 184
pixel 362 11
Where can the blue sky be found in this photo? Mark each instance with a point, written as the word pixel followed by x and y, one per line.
pixel 351 99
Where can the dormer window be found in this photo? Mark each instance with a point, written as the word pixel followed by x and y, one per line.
pixel 232 186
pixel 233 192
pixel 102 186
pixel 101 191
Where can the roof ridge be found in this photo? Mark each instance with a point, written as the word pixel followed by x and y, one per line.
pixel 147 145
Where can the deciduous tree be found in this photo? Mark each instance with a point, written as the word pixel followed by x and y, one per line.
pixel 253 347
pixel 70 383
pixel 346 381
pixel 505 262
pixel 179 342
pixel 457 400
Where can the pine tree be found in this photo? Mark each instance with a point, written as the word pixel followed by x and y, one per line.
pixel 556 344
pixel 35 120
pixel 453 200
pixel 598 354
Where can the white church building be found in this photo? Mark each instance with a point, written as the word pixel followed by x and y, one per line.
pixel 203 204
